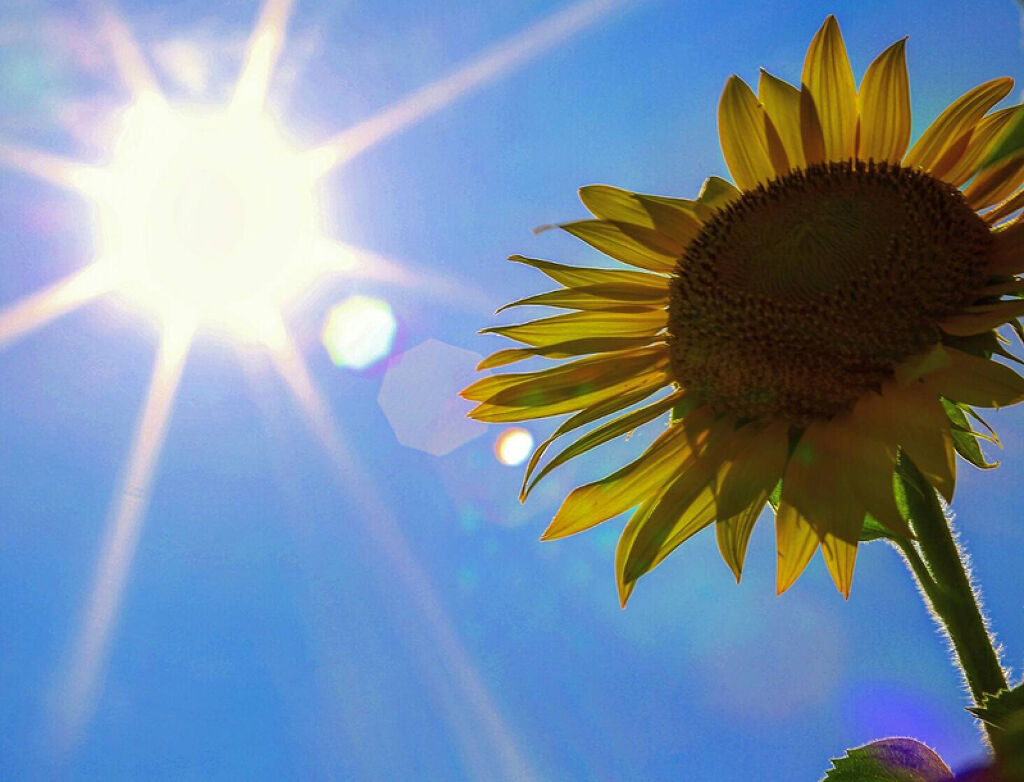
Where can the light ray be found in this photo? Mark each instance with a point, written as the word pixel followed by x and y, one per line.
pixel 129 60
pixel 381 527
pixel 42 307
pixel 498 61
pixel 343 260
pixel 123 526
pixel 264 48
pixel 60 171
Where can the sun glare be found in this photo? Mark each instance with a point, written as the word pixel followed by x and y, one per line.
pixel 210 218
pixel 206 216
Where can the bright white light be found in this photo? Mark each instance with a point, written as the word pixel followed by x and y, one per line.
pixel 359 332
pixel 513 446
pixel 207 215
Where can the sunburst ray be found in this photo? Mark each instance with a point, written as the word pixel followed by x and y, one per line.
pixel 36 310
pixel 380 526
pixel 500 60
pixel 131 64
pixel 63 172
pixel 264 48
pixel 123 527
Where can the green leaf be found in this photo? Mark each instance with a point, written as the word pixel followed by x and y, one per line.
pixel 890 760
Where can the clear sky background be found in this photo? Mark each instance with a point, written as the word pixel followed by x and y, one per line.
pixel 293 611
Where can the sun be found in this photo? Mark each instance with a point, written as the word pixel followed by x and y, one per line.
pixel 207 217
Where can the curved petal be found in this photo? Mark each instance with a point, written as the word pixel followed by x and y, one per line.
pixel 1008 249
pixel 781 101
pixel 795 541
pixel 571 276
pixel 828 80
pixel 976 381
pixel 733 534
pixel 811 134
pixel 961 115
pixel 985 319
pixel 677 220
pixel 996 183
pixel 884 106
pixel 981 142
pixel 819 485
pixel 632 244
pixel 1012 204
pixel 741 128
pixel 676 450
pixel 578 325
pixel 913 419
pixel 755 465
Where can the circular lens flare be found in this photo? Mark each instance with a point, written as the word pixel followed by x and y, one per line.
pixel 359 332
pixel 513 446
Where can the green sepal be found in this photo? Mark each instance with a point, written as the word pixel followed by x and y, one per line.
pixel 1004 712
pixel 890 760
pixel 965 439
pixel 873 529
pixel 1010 143
pixel 776 496
pixel 916 498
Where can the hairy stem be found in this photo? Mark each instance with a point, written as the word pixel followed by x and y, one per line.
pixel 938 565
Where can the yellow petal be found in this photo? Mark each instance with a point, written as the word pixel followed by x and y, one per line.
pixel 1008 249
pixel 567 387
pixel 578 325
pixel 754 467
pixel 609 431
pixel 632 244
pixel 1005 209
pixel 828 80
pixel 586 416
pixel 678 222
pixel 741 128
pixel 621 297
pixel 579 276
pixel 818 483
pixel 811 134
pixel 996 183
pixel 976 381
pixel 796 541
pixel 962 115
pixel 913 419
pixel 733 534
pixel 569 349
pixel 676 450
pixel 840 555
pixel 781 102
pixel 986 319
pixel 884 106
pixel 683 510
pixel 981 141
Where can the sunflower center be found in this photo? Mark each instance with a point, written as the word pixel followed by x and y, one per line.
pixel 804 294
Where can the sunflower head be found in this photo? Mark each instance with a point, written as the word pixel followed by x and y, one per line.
pixel 834 310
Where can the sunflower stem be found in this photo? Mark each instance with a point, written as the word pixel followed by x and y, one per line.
pixel 938 564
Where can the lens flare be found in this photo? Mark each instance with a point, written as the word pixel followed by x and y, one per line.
pixel 359 332
pixel 513 446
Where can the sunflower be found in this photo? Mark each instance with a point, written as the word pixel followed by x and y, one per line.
pixel 833 311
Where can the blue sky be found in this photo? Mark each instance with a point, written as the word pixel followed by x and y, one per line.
pixel 389 613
